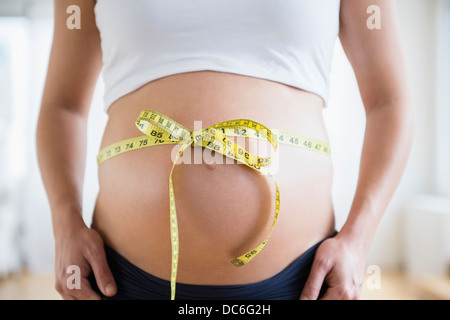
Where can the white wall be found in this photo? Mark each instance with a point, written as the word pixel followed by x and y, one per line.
pixel 39 243
pixel 418 29
pixel 345 122
pixel 36 230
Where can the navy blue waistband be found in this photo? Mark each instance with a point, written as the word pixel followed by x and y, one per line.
pixel 134 283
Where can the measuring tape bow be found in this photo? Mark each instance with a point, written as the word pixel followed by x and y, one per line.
pixel 161 130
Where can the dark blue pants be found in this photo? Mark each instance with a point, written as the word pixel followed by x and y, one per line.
pixel 134 283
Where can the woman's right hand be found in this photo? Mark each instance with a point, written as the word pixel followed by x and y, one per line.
pixel 83 248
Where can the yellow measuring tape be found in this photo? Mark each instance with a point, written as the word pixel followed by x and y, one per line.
pixel 161 130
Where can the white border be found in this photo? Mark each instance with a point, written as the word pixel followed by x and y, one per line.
pixel 442 150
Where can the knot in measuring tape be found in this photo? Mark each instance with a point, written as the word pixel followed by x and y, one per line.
pixel 161 130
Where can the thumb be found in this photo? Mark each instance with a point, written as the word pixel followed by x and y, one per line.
pixel 316 278
pixel 103 275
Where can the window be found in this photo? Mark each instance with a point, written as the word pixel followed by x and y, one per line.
pixel 443 98
pixel 14 53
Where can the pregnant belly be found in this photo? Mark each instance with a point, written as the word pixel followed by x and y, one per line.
pixel 224 209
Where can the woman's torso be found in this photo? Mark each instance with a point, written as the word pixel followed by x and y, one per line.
pixel 223 211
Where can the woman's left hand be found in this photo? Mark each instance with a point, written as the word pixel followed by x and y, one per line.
pixel 339 263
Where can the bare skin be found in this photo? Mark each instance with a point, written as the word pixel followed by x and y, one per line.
pixel 223 210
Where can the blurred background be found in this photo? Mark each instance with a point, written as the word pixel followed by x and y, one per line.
pixel 410 255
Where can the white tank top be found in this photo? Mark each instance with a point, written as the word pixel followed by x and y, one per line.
pixel 288 41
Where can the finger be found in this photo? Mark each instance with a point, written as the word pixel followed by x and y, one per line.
pixel 332 294
pixel 77 294
pixel 316 278
pixel 66 296
pixel 61 289
pixel 84 292
pixel 102 273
